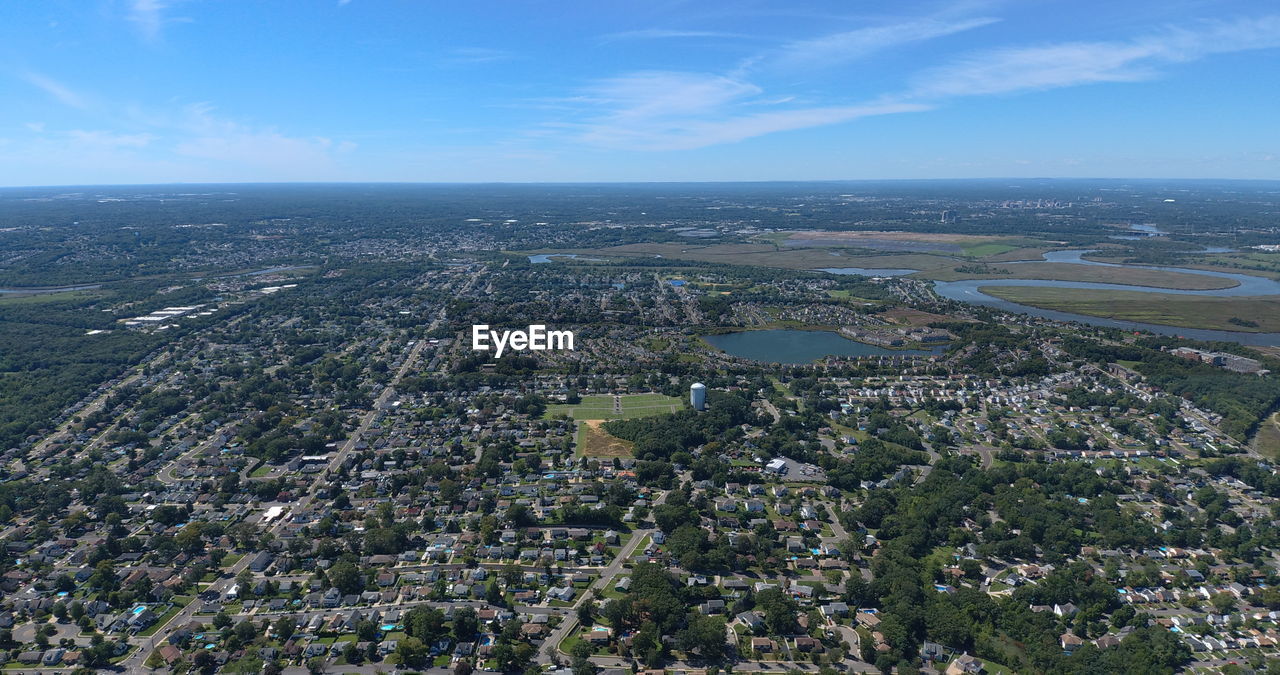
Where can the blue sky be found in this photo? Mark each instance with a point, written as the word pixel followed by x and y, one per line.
pixel 140 91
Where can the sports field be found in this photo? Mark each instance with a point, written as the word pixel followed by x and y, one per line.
pixel 591 439
pixel 609 407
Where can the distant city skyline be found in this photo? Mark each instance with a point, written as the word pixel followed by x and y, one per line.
pixel 164 91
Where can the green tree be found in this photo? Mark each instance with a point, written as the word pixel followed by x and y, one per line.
pixel 345 577
pixel 411 652
pixel 285 626
pixel 351 654
pixel 703 634
pixel 465 624
pixel 779 611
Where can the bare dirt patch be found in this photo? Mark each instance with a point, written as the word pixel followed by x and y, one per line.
pixel 594 441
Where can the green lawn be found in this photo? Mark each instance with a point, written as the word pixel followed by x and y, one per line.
pixel 602 407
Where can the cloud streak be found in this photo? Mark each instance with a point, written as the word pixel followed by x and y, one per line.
pixel 148 16
pixel 663 110
pixel 465 56
pixel 840 48
pixel 690 134
pixel 668 34
pixel 209 137
pixel 174 140
pixel 56 89
pixel 659 110
pixel 1069 64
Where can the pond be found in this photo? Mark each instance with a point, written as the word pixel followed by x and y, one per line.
pixel 801 346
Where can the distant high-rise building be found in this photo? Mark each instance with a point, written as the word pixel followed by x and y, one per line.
pixel 698 396
pixel 948 217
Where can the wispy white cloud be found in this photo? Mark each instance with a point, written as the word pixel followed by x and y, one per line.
pixel 675 111
pixel 204 135
pixel 657 94
pixel 840 48
pixel 108 139
pixel 668 34
pixel 154 142
pixel 463 56
pixel 1067 64
pixel 689 134
pixel 148 16
pixel 659 110
pixel 55 89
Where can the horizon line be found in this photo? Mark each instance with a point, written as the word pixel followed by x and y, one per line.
pixel 650 182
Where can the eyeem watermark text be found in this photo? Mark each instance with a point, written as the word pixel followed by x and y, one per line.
pixel 537 339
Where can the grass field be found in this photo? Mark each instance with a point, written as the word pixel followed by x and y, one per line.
pixel 912 317
pixel 45 298
pixel 988 249
pixel 593 411
pixel 1267 440
pixel 1026 253
pixel 1128 276
pixel 627 407
pixel 1188 311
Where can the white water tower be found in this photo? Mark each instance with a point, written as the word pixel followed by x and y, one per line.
pixel 698 396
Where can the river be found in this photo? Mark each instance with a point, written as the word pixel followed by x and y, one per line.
pixel 1246 285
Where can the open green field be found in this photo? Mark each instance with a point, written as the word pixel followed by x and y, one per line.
pixel 1246 262
pixel 1188 311
pixel 986 249
pixel 594 441
pixel 1267 440
pixel 45 298
pixel 1128 276
pixel 604 408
